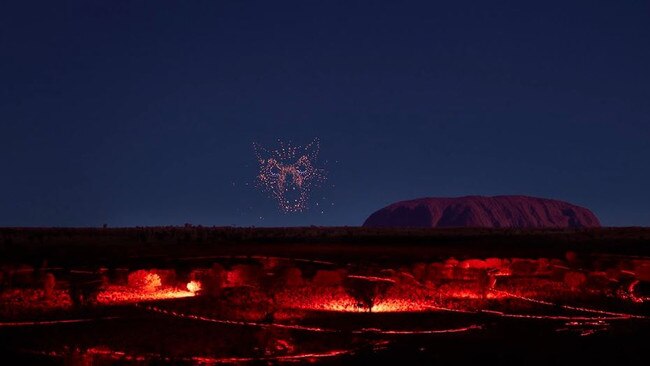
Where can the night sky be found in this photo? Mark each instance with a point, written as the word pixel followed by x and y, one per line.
pixel 134 113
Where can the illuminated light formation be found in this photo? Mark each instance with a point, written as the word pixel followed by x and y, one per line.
pixel 288 173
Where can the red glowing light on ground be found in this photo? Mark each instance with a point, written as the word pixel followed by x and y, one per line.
pixel 144 286
pixel 122 294
pixel 194 286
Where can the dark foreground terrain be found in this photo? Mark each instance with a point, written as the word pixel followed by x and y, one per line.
pixel 196 295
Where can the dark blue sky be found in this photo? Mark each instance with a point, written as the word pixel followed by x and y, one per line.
pixel 144 113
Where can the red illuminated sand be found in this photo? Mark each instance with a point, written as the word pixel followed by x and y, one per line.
pixel 120 295
pixel 279 309
pixel 114 294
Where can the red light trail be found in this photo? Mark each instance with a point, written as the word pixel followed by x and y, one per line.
pixel 310 329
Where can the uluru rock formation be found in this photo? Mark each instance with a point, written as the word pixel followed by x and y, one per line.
pixel 485 212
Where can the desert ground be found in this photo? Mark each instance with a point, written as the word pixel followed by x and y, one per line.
pixel 198 295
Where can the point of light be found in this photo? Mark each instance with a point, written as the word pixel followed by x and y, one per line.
pixel 194 286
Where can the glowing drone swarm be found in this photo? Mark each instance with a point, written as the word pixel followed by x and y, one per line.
pixel 288 173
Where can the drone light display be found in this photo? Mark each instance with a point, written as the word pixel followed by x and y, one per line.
pixel 288 173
